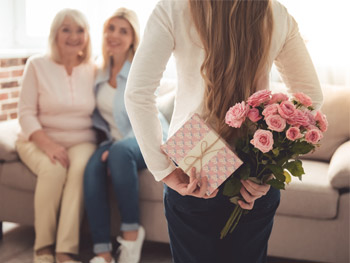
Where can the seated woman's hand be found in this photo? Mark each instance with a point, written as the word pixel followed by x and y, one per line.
pixel 188 185
pixel 53 150
pixel 250 192
pixel 56 152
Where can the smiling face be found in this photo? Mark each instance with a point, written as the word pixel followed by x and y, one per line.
pixel 118 36
pixel 71 38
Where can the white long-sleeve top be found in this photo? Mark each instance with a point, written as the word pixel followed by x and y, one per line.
pixel 170 31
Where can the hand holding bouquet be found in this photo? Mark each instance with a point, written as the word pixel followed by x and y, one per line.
pixel 278 129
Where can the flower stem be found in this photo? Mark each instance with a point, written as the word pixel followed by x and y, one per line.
pixel 237 220
pixel 236 212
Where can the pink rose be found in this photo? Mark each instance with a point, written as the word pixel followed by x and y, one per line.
pixel 286 109
pixel 293 133
pixel 299 119
pixel 259 97
pixel 254 115
pixel 313 136
pixel 278 98
pixel 237 114
pixel 311 118
pixel 311 127
pixel 263 140
pixel 321 121
pixel 270 110
pixel 275 122
pixel 303 99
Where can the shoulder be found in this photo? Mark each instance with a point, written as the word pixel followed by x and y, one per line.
pixel 170 9
pixel 101 74
pixel 37 63
pixel 38 59
pixel 281 16
pixel 173 4
pixel 285 26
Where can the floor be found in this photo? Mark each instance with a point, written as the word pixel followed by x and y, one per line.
pixel 17 247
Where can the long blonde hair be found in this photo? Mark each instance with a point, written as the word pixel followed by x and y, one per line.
pixel 236 37
pixel 130 16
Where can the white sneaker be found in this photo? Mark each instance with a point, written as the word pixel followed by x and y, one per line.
pixel 130 251
pixel 101 260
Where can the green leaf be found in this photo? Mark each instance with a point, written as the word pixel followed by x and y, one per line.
pixel 295 168
pixel 275 151
pixel 232 187
pixel 263 161
pixel 287 176
pixel 302 147
pixel 283 160
pixel 277 171
pixel 243 171
pixel 276 184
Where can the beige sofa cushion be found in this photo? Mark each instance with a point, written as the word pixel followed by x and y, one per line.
pixel 313 197
pixel 337 109
pixel 339 167
pixel 150 189
pixel 17 176
pixel 8 136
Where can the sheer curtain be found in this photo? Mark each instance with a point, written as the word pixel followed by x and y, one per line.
pixel 324 26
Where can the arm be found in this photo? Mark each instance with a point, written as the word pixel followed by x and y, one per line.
pixel 140 100
pixel 28 101
pixel 295 66
pixel 28 118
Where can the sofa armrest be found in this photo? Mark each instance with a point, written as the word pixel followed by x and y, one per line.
pixel 8 136
pixel 339 167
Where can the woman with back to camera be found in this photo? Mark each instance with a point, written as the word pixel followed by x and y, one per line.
pixel 224 51
pixel 57 138
pixel 118 154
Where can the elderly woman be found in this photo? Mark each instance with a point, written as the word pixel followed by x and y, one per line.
pixel 57 138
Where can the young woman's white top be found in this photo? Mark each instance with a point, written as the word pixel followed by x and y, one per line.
pixel 105 103
pixel 170 30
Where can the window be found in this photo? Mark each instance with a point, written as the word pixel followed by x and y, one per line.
pixel 25 24
pixel 33 24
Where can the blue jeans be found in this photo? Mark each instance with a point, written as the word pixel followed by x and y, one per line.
pixel 195 224
pixel 124 160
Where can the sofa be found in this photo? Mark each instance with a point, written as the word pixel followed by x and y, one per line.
pixel 312 221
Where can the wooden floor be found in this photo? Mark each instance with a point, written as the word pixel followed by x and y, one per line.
pixel 17 247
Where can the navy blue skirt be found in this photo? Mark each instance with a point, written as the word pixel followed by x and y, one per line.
pixel 194 226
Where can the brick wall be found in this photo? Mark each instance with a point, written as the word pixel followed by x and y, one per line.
pixel 11 71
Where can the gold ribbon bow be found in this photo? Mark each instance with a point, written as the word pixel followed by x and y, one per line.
pixel 204 151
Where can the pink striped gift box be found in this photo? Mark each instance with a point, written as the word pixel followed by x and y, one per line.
pixel 195 144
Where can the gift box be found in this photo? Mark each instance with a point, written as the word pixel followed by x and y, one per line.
pixel 195 144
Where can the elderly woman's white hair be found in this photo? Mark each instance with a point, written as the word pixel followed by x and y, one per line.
pixel 130 16
pixel 79 18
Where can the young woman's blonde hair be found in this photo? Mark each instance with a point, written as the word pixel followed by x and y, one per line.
pixel 78 18
pixel 131 17
pixel 236 37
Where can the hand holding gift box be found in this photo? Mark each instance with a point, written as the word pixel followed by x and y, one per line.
pixel 195 144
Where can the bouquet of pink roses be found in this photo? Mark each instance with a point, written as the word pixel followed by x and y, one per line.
pixel 279 130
